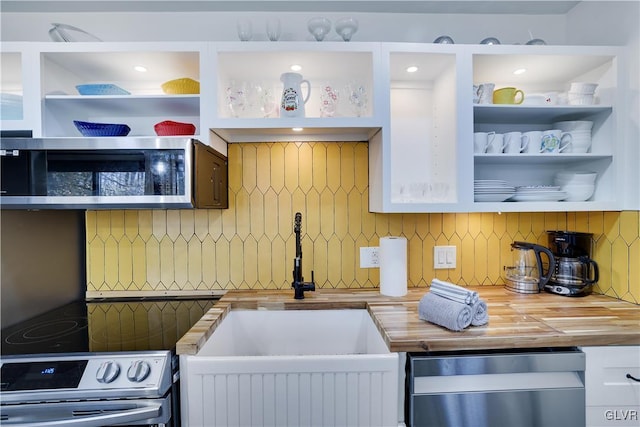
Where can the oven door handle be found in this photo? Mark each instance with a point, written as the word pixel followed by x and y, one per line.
pixel 81 414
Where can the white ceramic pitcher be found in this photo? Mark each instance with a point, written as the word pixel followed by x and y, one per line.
pixel 292 104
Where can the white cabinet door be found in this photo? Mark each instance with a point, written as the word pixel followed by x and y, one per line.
pixel 612 388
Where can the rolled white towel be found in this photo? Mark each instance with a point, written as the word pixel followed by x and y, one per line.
pixel 447 313
pixel 453 292
pixel 479 313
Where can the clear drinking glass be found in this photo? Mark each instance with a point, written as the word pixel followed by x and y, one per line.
pixel 329 99
pixel 236 96
pixel 245 31
pixel 358 98
pixel 274 29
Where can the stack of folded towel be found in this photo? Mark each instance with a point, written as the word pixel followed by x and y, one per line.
pixel 452 306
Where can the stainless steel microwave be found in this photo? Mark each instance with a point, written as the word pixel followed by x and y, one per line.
pixel 111 173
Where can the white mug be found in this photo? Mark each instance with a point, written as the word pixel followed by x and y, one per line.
pixel 532 140
pixel 514 142
pixel 553 139
pixel 481 141
pixel 496 143
pixel 485 93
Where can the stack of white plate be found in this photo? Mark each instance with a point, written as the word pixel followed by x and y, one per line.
pixel 489 190
pixel 539 193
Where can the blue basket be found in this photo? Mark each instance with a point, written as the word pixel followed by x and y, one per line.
pixel 101 89
pixel 102 129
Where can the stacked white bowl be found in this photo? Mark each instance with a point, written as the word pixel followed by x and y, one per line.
pixel 580 131
pixel 581 93
pixel 579 186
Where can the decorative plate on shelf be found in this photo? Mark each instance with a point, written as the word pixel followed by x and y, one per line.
pixel 542 196
pixel 171 128
pixel 184 86
pixel 101 89
pixel 102 129
pixel 492 197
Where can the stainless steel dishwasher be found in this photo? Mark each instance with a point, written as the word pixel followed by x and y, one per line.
pixel 514 388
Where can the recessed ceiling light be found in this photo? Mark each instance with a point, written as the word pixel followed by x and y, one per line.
pixel 520 71
pixel 296 67
pixel 297 129
pixel 140 68
pixel 412 69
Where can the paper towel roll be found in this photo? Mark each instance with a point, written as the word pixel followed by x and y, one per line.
pixel 393 266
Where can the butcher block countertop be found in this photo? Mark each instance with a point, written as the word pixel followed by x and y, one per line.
pixel 515 320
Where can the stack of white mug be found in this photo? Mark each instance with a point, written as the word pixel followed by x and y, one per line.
pixel 565 137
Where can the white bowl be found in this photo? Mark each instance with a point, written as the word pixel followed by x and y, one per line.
pixel 586 178
pixel 573 125
pixel 535 99
pixel 583 88
pixel 581 99
pixel 578 192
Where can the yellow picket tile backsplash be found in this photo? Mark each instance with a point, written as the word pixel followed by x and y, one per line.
pixel 251 244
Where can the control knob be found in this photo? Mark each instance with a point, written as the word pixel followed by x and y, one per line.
pixel 107 372
pixel 138 371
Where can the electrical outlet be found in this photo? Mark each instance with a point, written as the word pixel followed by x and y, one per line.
pixel 444 257
pixel 369 257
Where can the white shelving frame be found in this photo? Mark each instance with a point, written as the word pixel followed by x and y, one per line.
pixel 419 128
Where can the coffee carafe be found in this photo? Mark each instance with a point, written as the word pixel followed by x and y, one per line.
pixel 574 273
pixel 292 103
pixel 527 274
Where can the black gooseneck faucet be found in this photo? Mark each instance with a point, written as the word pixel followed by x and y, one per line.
pixel 298 284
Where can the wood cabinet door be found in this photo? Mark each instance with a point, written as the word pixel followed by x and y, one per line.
pixel 210 178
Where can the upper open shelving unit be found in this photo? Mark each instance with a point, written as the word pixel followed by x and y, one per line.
pixel 419 125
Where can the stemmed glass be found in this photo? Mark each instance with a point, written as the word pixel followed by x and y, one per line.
pixel 346 28
pixel 319 27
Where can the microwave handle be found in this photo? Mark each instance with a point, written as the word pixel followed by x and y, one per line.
pixel 40 414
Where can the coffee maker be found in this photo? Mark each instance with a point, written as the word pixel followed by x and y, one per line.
pixel 574 273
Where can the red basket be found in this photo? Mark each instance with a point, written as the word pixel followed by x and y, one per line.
pixel 171 128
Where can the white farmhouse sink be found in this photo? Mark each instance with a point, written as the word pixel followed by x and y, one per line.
pixel 295 332
pixel 292 368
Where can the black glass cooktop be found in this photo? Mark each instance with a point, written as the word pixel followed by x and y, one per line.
pixel 105 326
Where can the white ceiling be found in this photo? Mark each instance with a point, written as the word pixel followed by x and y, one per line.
pixel 527 7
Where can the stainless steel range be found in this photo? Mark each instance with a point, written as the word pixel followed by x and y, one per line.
pixel 96 364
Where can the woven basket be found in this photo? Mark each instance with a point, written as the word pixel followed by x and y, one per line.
pixel 184 86
pixel 102 129
pixel 101 89
pixel 171 128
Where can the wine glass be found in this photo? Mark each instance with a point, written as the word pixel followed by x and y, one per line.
pixel 319 27
pixel 346 28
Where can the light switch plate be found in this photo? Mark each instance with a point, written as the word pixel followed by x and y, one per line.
pixel 369 257
pixel 444 257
